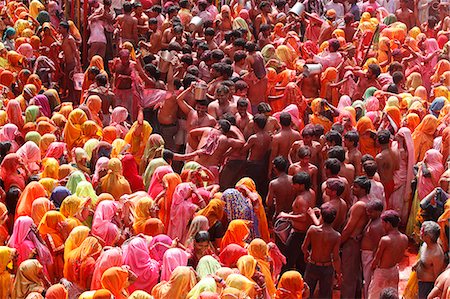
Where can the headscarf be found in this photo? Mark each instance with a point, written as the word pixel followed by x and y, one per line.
pixel 155 185
pixel 9 132
pixel 49 225
pixel 260 251
pixel 205 285
pixel 39 207
pixel 181 211
pixel 213 211
pixel 42 102
pixel 131 173
pixel 182 280
pixel 102 225
pixel 56 150
pixel 441 67
pixel 367 144
pixel 413 81
pixel 53 98
pixel 85 190
pixel 425 184
pixel 241 283
pixel 28 279
pixel 173 258
pixel 290 286
pixel 94 103
pixel 153 149
pixel 316 118
pixel 240 23
pixel 158 246
pixel 237 206
pixel 445 146
pixel 287 56
pixel 6 257
pixel 423 136
pixel 51 168
pixel 236 233
pixel 9 172
pixel 108 258
pixel 109 134
pixel 74 240
pixel 34 137
pixel 96 61
pixel 74 179
pixel 35 7
pixel 57 291
pixel 134 137
pixel 118 116
pixel 101 165
pixel 230 254
pixel 412 120
pixel 140 295
pixel 207 266
pixel 114 182
pixel 437 104
pixel 31 192
pixel 14 113
pixel 72 130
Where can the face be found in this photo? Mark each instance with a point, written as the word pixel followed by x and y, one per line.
pixel 371 213
pixel 201 248
pixel 357 190
pixel 346 122
pixel 242 111
pixel 305 160
pixel 348 143
pixel 330 192
pixel 201 110
pixel 125 59
pixel 61 30
pixel 307 139
pixel 369 74
pixel 221 96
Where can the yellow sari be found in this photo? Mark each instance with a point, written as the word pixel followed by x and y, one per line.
pixel 137 137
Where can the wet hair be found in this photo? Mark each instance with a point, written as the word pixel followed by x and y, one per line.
pixel 260 120
pixel 186 58
pixel 167 155
pixel 188 79
pixel 203 102
pixel 308 130
pixel 367 157
pixel 204 47
pixel 239 42
pixel 370 168
pixel 395 66
pixel 383 137
pixel 223 88
pixel 392 88
pixel 152 21
pixel 101 79
pixel 210 32
pixel 338 127
pixel 337 152
pixel 193 70
pixel 281 164
pixel 375 205
pixel 391 217
pixel 333 165
pixel 334 45
pixel 375 68
pixel 336 185
pixel 225 125
pixel 156 8
pixel 397 77
pixel 239 56
pixel 64 25
pixel 94 70
pixel 363 182
pixel 227 70
pixel 229 117
pixel 352 136
pixel 250 46
pixel 186 49
pixel 432 21
pixel 241 85
pixel 328 213
pixel 318 130
pixel 174 46
pixel 334 138
pixel 304 151
pixel 201 236
pixel 127 7
pixel 11 199
pixel 285 119
pixel 264 27
pixel 183 3
pixel 263 107
pixel 431 229
pixel 217 55
pixel 242 103
pixel 148 58
pixel 389 293
pixel 302 178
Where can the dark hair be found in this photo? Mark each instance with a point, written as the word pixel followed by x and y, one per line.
pixel 392 88
pixel 229 117
pixel 337 127
pixel 64 25
pixel 281 164
pixel 152 70
pixel 225 125
pixel 304 151
pixel 210 32
pixel 375 68
pixel 101 79
pixel 367 157
pixel 239 42
pixel 318 130
pixel 202 102
pixel 174 46
pixel 167 155
pixel 328 213
pixel 397 77
pixel 389 293
pixel 239 56
pixel 250 46
pixel 186 58
pixel 242 103
pixel 337 152
pixel 227 70
pixel 334 45
pixel 241 85
pixel 183 3
pixel 383 137
pixel 375 205
pixel 201 236
pixel 392 217
pixel 302 178
pixel 11 199
pixel 264 27
pixel 263 107
pixel 334 138
pixel 308 130
pixel 363 182
pixel 223 88
pixel 370 167
pixel 333 165
pixel 395 66
pixel 260 120
pixel 148 58
pixel 193 70
pixel 285 119
pixel 188 80
pixel 107 2
pixel 217 55
pixel 336 185
pixel 156 8
pixel 352 136
pixel 127 7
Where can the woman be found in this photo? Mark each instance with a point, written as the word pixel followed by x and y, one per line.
pixel 85 190
pixel 292 286
pixel 96 61
pixel 137 257
pixel 199 223
pixel 143 218
pixel 101 169
pixel 237 206
pixel 30 155
pixel 153 149
pixel 158 247
pixel 51 168
pixel 75 209
pixel 58 195
pixel 10 132
pixel 14 112
pixel 242 283
pixel 169 182
pixel 260 251
pixel 31 192
pixel 75 239
pixel 173 258
pixel 39 207
pixel 80 263
pixel 366 130
pixel 110 257
pixel 131 173
pixel 103 225
pixel 6 257
pixel 42 103
pixel 13 172
pixel 72 130
pixel 238 231
pixel 204 289
pixel 118 120
pixel 140 131
pixel 114 182
pixel 231 254
pixel 214 213
pixel 207 266
pixel 115 280
pixel 29 278
pixel 182 280
pixel 75 178
pixel 423 136
pixel 57 291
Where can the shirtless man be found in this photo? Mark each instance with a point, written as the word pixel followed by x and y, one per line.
pixel 304 154
pixel 128 25
pixel 222 103
pixel 167 116
pixel 257 147
pixel 405 15
pixel 272 125
pixel 347 170
pixel 371 237
pixel 351 140
pixel 282 141
pixel 367 79
pixel 351 241
pixel 71 60
pixel 431 261
pixel 155 42
pixel 387 163
pixel 376 188
pixel 307 140
pixel 441 285
pixel 301 221
pixel 142 20
pixel 243 118
pixel 334 190
pixel 390 252
pixel 321 250
pixel 215 145
pixel 332 167
pixel 301 184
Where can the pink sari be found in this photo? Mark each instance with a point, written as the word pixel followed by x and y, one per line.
pixel 173 258
pixel 118 116
pixel 158 246
pixel 102 226
pixel 56 150
pixel 8 133
pixel 294 113
pixel 137 256
pixel 433 161
pixel 102 164
pixel 156 186
pixel 30 154
pixel 181 211
pixel 107 259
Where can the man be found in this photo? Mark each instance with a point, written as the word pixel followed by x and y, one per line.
pixel 366 80
pixel 97 27
pixel 301 184
pixel 431 261
pixel 155 43
pixel 387 162
pixel 337 6
pixel 405 15
pixel 376 188
pixel 142 20
pixel 329 59
pixel 71 60
pixel 105 94
pixel 332 168
pixel 390 252
pixel 347 170
pixel 328 26
pixel 323 258
pixel 307 140
pixel 304 154
pixel 128 25
pixel 334 190
pixel 283 140
pixel 243 118
pixel 222 103
pixel 351 240
pixel 371 237
pixel 351 140
pixel 441 285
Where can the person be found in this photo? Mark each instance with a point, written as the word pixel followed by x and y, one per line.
pixel 334 189
pixel 127 25
pixel 351 140
pixel 430 264
pixel 304 154
pixel 390 251
pixel 321 250
pixel 387 164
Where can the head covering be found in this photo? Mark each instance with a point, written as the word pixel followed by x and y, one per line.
pixel 423 136
pixel 115 280
pixel 207 266
pixel 111 257
pixel 102 226
pixel 57 291
pixel 290 286
pixel 172 258
pixel 236 233
pixel 28 279
pixel 31 192
pixel 181 211
pixel 230 255
pixel 72 130
pixel 39 207
pixel 114 182
pixel 182 280
pixel 131 173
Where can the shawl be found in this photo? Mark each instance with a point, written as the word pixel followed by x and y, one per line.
pixel 114 182
pixel 173 258
pixel 108 258
pixel 231 254
pixel 102 225
pixel 181 211
pixel 28 279
pixel 423 136
pixel 182 280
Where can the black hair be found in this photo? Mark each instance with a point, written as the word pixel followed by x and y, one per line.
pixel 148 58
pixel 250 46
pixel 353 137
pixel 392 88
pixel 318 130
pixel 239 42
pixel 370 167
pixel 152 21
pixel 333 165
pixel 285 119
pixel 334 45
pixel 225 125
pixel 334 138
pixel 127 7
pixel 260 120
pixel 188 80
pixel 375 205
pixel 337 152
pixel 186 58
pixel 328 213
pixel 397 77
pixel 308 130
pixel 64 25
pixel 302 178
pixel 336 185
pixel 391 217
pixel 264 27
pixel 241 85
pixel 227 70
pixel 337 127
pixel 242 103
pixel 239 56
pixel 304 151
pixel 101 79
pixel 383 137
pixel 167 155
pixel 229 117
pixel 363 182
pixel 389 293
pixel 202 102
pixel 202 236
pixel 281 164
pixel 152 70
pixel 367 157
pixel 375 68
pixel 217 54
pixel 210 32
pixel 395 66
pixel 183 3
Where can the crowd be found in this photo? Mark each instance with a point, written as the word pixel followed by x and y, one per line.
pixel 245 149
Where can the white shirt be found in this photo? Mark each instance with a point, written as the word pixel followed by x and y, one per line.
pixel 338 7
pixel 390 5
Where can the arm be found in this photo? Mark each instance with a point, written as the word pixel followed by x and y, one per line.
pixel 248 145
pixel 307 243
pixel 273 154
pixel 135 31
pixel 438 265
pixel 270 196
pixel 77 53
pixel 355 214
pixel 379 253
pixel 185 107
pixel 337 260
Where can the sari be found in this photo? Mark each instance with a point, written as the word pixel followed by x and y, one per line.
pixel 170 181
pixel 247 266
pixel 158 247
pixel 39 207
pixel 31 192
pixel 33 136
pixel 108 258
pixel 74 240
pixel 94 104
pixel 199 223
pixel 58 195
pixel 72 130
pixel 206 285
pixel 135 136
pixel 236 233
pixel 395 117
pixel 441 67
pixel 56 150
pixel 142 214
pixel 213 211
pixel 172 258
pixel 30 155
pixel 118 117
pixel 44 127
pixel 182 280
pixel 96 61
pixel 140 295
pixel 445 146
pixel 90 130
pixel 45 142
pixel 115 280
pixel 411 121
pixel 9 172
pixel 101 165
pixel 207 266
pixel 89 146
pixel 150 170
pixel 71 207
pixel 287 56
pixel 80 263
pixel 28 279
pixel 6 257
pixel 75 178
pixel 49 184
pixel 114 182
pixel 423 136
pixel 57 291
pixel 181 211
pixel 329 76
pixel 260 251
pixel 291 286
pixel 153 149
pixel 155 185
pixel 230 254
pixel 119 147
pixel 137 257
pixel 367 144
pixel 14 112
pixel 316 118
pixel 85 190
pixel 103 149
pixel 242 283
pixel 131 173
pixel 9 132
pixel 53 98
pixel 43 105
pixel 51 168
pixel 109 134
pixel 237 206
pixel 102 225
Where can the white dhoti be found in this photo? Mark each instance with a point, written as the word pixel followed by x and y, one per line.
pixel 366 260
pixel 399 203
pixel 382 279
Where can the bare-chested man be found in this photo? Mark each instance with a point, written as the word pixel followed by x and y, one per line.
pixel 272 125
pixel 347 170
pixel 351 140
pixel 377 189
pixel 222 104
pixel 314 146
pixel 283 140
pixel 321 250
pixel 215 145
pixel 155 42
pixel 387 163
pixel 351 241
pixel 405 15
pixel 334 189
pixel 243 118
pixel 332 167
pixel 371 237
pixel 441 285
pixel 304 154
pixel 128 25
pixel 390 252
pixel 431 261
pixel 142 20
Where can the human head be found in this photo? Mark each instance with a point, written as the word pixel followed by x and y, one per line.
pixel 332 167
pixel 242 105
pixel 337 152
pixel 201 242
pixel 333 45
pixel 304 154
pixel 383 137
pixel 127 7
pixel 370 168
pixel 373 71
pixel 280 164
pixel 390 219
pixel 351 139
pixel 389 293
pixel 333 138
pixel 201 106
pixel 260 121
pixel 64 27
pixel 224 125
pixel 308 134
pixel 328 213
pixel 301 181
pixel 374 208
pixel 222 94
pixel 430 231
pixel 285 119
pixel 334 188
pixel 361 186
pixel 168 156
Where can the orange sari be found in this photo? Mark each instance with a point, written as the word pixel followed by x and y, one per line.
pixel 423 136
